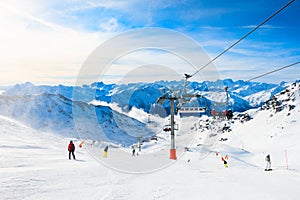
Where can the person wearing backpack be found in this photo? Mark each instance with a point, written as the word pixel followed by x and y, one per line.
pixel 71 149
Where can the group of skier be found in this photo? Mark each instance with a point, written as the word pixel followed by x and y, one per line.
pixel 267 159
pixel 134 152
pixel 71 149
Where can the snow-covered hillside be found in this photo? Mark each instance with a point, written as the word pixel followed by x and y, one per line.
pixel 273 129
pixel 56 113
pixel 35 165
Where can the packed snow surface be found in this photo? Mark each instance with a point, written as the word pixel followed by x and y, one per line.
pixel 35 164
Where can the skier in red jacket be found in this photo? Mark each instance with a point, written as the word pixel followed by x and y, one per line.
pixel 71 149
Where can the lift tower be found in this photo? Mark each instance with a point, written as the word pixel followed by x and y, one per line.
pixel 172 99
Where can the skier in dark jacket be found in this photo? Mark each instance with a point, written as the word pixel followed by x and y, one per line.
pixel 268 160
pixel 71 149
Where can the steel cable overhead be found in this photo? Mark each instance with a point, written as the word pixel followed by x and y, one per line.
pixel 246 35
pixel 276 70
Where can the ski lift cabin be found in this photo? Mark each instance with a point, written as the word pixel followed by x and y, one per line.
pixel 226 114
pixel 191 104
pixel 167 127
pixel 224 108
pixel 150 124
pixel 191 111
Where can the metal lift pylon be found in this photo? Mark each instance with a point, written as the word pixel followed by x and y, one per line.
pixel 172 99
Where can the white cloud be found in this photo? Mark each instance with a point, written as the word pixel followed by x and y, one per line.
pixel 40 47
pixel 34 49
pixel 27 18
pixel 86 5
pixel 109 25
pixel 266 26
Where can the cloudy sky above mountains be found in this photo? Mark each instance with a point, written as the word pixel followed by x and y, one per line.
pixel 47 42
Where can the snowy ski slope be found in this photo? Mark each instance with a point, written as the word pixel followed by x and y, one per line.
pixel 35 165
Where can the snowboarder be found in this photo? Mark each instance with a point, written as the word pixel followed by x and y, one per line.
pixel 133 151
pixel 268 160
pixel 105 151
pixel 71 149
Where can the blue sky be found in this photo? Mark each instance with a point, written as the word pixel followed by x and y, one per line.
pixel 46 42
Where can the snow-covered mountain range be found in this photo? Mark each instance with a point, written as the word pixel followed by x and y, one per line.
pixel 243 95
pixel 69 110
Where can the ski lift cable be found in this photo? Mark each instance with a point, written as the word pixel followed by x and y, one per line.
pixel 276 70
pixel 246 35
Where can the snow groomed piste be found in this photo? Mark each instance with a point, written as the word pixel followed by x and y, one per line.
pixel 35 165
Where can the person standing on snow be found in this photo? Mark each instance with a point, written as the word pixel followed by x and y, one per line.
pixel 225 162
pixel 268 160
pixel 71 149
pixel 133 151
pixel 105 151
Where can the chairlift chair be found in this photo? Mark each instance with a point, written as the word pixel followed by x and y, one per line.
pixel 167 127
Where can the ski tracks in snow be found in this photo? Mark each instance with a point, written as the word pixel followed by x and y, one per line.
pixel 20 188
pixel 161 193
pixel 117 190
